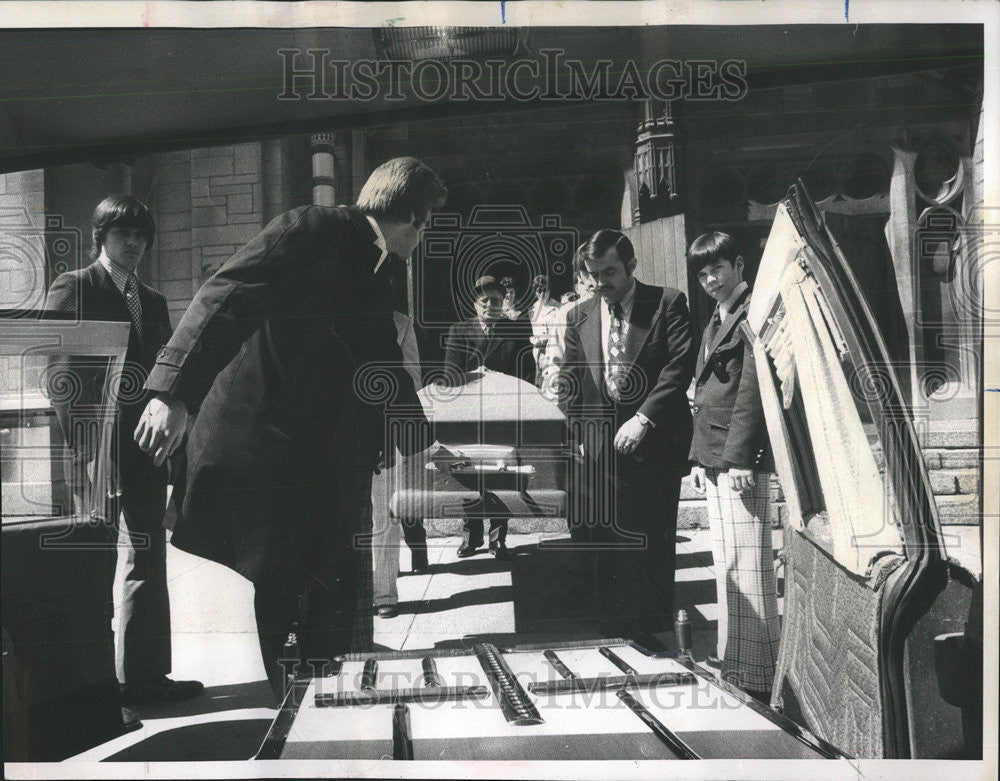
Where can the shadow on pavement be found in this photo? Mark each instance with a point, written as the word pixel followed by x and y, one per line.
pixel 215 699
pixel 477 596
pixel 237 739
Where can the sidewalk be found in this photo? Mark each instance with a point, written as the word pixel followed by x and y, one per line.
pixel 457 602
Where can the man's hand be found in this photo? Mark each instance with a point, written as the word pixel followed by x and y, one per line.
pixel 741 480
pixel 630 435
pixel 161 427
pixel 698 478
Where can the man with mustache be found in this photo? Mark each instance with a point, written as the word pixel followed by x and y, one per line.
pixel 628 362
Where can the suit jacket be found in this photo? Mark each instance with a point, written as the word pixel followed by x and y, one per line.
pixel 507 351
pixel 91 294
pixel 729 428
pixel 658 350
pixel 269 352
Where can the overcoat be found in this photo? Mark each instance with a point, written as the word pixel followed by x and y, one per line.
pixel 268 353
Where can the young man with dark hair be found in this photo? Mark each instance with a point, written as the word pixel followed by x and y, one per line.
pixel 490 340
pixel 623 385
pixel 108 289
pixel 272 354
pixel 732 461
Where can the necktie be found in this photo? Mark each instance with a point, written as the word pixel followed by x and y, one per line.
pixel 133 304
pixel 713 329
pixel 615 375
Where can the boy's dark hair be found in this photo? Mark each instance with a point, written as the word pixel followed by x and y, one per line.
pixel 607 239
pixel 710 247
pixel 402 189
pixel 120 211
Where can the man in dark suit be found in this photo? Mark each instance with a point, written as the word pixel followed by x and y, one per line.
pixel 623 384
pixel 291 331
pixel 493 341
pixel 732 460
pixel 108 289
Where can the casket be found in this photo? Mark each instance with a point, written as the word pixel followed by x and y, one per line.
pixel 499 454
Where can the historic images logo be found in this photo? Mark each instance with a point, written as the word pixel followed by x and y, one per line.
pixel 314 74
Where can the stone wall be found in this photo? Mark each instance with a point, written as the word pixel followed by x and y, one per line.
pixel 207 204
pixel 22 240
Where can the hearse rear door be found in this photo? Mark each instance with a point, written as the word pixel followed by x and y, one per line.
pixel 870 593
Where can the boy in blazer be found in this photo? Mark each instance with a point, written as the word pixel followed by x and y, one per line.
pixel 108 289
pixel 731 465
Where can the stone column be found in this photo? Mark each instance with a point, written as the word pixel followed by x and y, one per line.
pixel 323 170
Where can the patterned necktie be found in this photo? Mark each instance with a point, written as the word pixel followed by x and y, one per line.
pixel 133 304
pixel 614 377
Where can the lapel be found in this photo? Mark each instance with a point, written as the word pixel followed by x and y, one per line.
pixel 482 344
pixel 640 320
pixel 151 327
pixel 591 339
pixel 109 296
pixel 725 330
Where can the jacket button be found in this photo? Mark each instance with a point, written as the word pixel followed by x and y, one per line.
pixel 695 410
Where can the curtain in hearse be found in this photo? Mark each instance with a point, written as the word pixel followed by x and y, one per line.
pixel 858 501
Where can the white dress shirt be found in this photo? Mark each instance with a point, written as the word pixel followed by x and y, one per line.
pixel 379 242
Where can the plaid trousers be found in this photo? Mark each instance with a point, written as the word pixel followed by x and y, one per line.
pixel 743 553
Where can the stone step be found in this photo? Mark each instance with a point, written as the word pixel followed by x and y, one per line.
pixel 954 481
pixel 945 458
pixel 958 509
pixel 953 434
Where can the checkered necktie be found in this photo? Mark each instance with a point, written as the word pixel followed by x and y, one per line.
pixel 614 376
pixel 133 303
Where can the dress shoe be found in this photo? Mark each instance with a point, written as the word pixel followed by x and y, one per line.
pixel 162 690
pixel 129 720
pixel 387 611
pixel 714 661
pixel 467 549
pixel 500 552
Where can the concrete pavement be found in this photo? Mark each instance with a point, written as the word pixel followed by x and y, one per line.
pixel 459 601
